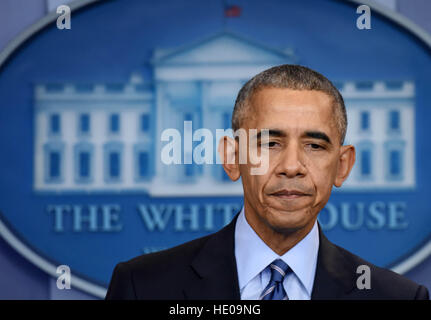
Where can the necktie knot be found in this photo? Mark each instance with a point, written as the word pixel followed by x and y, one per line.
pixel 278 270
pixel 274 290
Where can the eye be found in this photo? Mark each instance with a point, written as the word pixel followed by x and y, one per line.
pixel 315 146
pixel 270 144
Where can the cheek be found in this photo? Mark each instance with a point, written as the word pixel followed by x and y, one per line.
pixel 254 184
pixel 323 176
pixel 251 182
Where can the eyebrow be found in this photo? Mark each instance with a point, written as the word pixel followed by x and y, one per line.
pixel 318 135
pixel 271 133
pixel 310 134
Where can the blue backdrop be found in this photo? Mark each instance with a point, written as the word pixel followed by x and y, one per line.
pixel 111 40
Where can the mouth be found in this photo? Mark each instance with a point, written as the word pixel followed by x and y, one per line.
pixel 289 194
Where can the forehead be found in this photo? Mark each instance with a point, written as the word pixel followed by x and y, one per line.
pixel 291 109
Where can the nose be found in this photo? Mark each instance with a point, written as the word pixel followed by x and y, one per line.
pixel 291 162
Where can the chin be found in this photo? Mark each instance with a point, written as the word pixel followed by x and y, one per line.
pixel 288 221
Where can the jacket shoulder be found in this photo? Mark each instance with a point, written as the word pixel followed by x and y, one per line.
pixel 166 259
pixel 384 283
pixel 158 275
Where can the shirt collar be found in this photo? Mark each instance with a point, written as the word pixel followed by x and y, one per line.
pixel 253 255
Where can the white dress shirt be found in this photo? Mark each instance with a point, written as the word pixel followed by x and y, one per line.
pixel 253 257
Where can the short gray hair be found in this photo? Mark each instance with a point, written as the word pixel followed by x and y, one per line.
pixel 293 77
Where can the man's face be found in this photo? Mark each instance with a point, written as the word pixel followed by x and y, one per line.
pixel 305 158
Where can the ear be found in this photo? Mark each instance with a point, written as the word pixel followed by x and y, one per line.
pixel 228 152
pixel 345 164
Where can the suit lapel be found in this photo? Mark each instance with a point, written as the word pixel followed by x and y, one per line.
pixel 214 268
pixel 335 277
pixel 215 276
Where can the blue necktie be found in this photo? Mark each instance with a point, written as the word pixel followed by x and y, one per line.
pixel 275 290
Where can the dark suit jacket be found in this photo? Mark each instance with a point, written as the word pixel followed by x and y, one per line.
pixel 205 268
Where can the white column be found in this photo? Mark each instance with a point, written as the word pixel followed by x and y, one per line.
pixel 206 123
pixel 98 138
pixel 160 105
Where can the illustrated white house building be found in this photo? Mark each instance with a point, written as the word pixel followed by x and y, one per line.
pixel 107 137
pixel 381 118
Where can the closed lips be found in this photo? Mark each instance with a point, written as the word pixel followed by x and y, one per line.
pixel 289 193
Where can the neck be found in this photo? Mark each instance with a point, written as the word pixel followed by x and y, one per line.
pixel 279 240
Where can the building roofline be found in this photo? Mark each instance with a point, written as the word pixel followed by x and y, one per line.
pixel 169 53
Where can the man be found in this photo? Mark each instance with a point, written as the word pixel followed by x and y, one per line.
pixel 274 248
